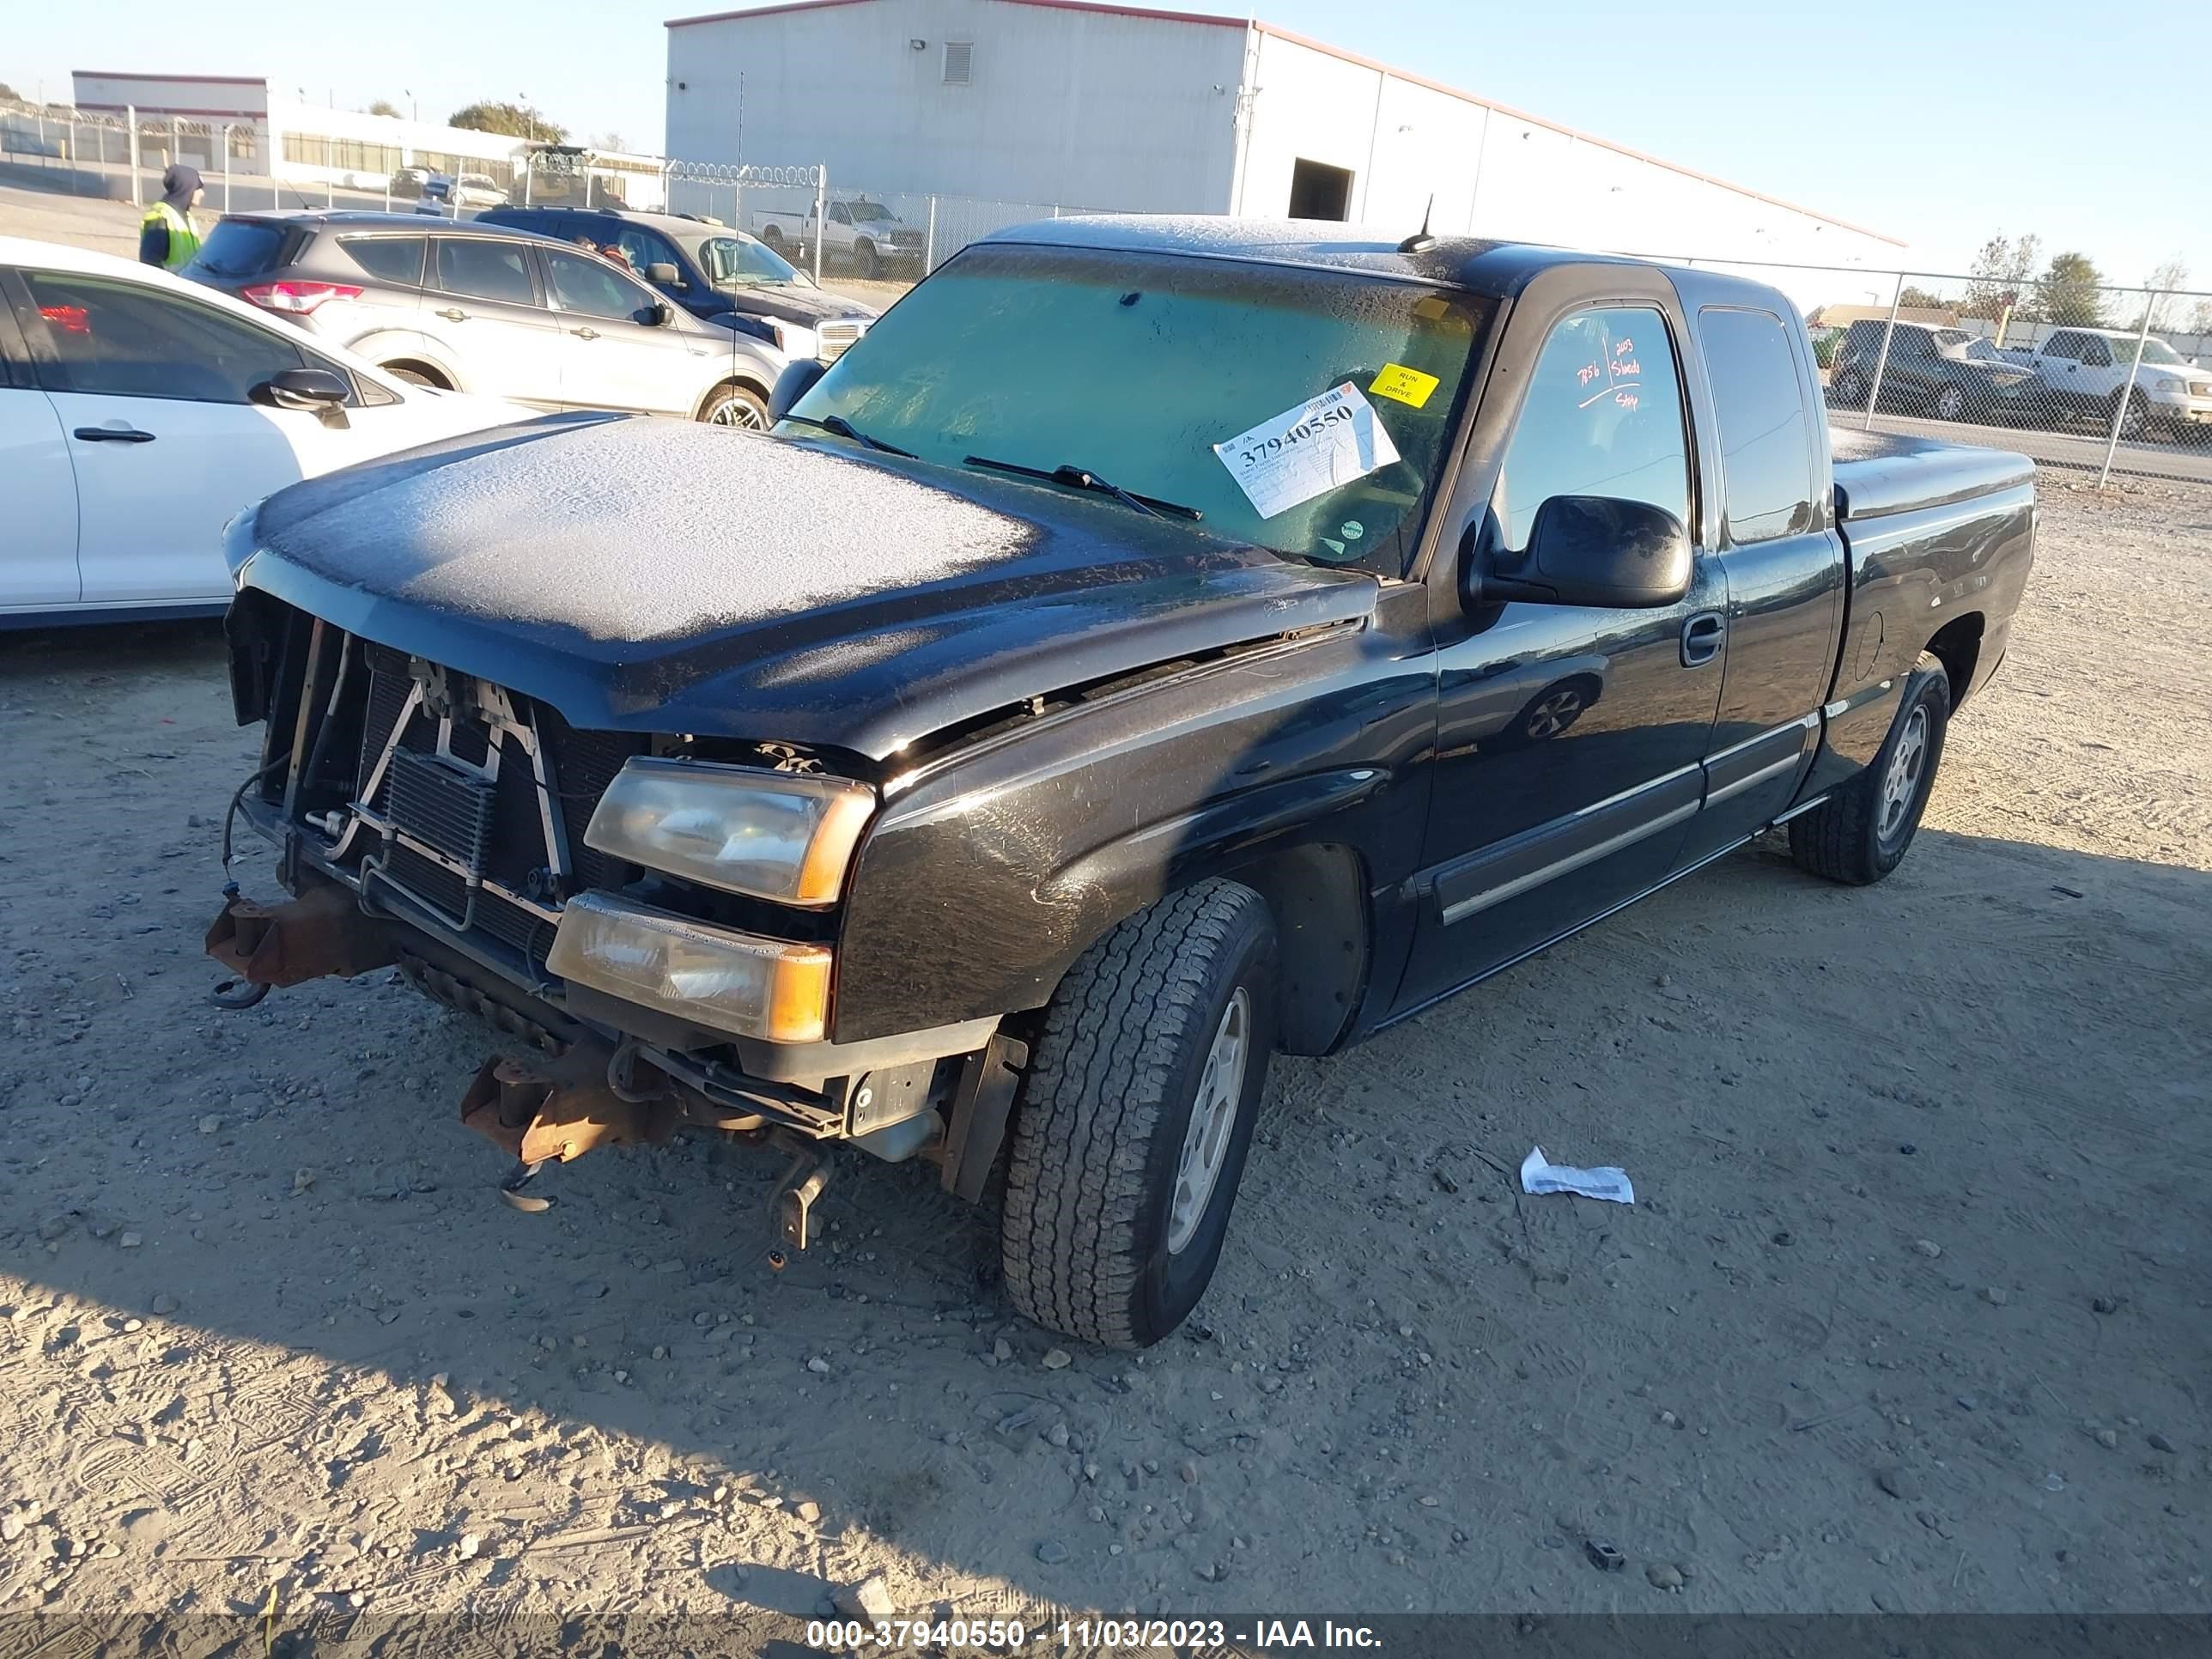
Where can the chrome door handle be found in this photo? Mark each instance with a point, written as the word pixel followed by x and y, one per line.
pixel 454 314
pixel 584 333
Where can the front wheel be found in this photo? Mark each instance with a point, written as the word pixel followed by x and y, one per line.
pixel 2134 416
pixel 1950 403
pixel 1848 390
pixel 735 405
pixel 864 261
pixel 1860 833
pixel 1135 1116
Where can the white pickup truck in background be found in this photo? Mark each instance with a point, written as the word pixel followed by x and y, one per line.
pixel 2085 370
pixel 862 233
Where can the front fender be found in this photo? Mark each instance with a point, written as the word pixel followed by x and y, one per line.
pixel 985 878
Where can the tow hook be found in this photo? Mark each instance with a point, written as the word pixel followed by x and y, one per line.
pixel 320 933
pixel 540 1117
pixel 791 1207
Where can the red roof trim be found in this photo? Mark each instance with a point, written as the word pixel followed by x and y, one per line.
pixel 1553 126
pixel 1147 13
pixel 761 11
pixel 194 80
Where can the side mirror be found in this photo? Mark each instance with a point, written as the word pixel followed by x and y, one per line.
pixel 321 391
pixel 1597 550
pixel 797 379
pixel 660 314
pixel 663 275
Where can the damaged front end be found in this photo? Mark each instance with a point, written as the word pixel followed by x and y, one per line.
pixel 429 820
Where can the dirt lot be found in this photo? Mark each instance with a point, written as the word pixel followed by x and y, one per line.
pixel 1911 1314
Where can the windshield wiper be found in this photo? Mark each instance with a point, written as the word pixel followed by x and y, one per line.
pixel 844 428
pixel 1076 478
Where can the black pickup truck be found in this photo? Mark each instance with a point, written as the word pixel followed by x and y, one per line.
pixel 1157 644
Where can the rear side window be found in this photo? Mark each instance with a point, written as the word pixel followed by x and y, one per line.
pixel 241 247
pixel 389 259
pixel 485 270
pixel 1765 451
pixel 1603 418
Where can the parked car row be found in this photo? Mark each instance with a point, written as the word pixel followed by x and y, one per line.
pixel 2075 375
pixel 475 306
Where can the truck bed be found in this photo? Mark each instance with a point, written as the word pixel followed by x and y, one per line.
pixel 1880 474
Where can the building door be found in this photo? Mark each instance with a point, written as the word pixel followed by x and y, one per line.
pixel 1320 192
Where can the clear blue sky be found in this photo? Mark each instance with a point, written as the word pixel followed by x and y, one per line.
pixel 2091 127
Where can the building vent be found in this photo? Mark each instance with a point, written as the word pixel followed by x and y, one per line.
pixel 959 63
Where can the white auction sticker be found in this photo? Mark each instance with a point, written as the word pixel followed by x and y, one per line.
pixel 1308 450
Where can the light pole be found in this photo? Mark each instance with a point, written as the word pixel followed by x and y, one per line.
pixel 529 115
pixel 410 91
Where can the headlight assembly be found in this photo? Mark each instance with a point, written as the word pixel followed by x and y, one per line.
pixel 711 976
pixel 777 835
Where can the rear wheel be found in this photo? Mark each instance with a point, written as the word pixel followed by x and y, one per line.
pixel 1860 833
pixel 772 239
pixel 1135 1117
pixel 735 405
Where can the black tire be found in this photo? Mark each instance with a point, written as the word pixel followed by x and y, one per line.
pixel 1950 403
pixel 416 377
pixel 865 263
pixel 1848 390
pixel 772 239
pixel 1854 836
pixel 2135 420
pixel 735 405
pixel 1111 1093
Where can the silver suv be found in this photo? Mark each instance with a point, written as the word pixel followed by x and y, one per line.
pixel 505 312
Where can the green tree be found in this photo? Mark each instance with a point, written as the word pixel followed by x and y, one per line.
pixel 515 120
pixel 1918 299
pixel 11 95
pixel 382 107
pixel 2069 292
pixel 1999 279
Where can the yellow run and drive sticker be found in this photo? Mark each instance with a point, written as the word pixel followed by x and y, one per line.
pixel 1407 386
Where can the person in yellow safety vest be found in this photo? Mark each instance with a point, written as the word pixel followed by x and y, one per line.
pixel 166 236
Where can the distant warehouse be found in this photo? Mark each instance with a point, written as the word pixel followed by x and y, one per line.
pixel 1081 106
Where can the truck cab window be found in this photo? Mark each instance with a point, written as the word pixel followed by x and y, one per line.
pixel 1765 458
pixel 1603 417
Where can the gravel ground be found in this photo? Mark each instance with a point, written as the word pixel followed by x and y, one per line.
pixel 1911 1314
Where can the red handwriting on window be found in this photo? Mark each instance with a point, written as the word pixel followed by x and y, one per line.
pixel 1624 345
pixel 1630 366
pixel 1586 374
pixel 1626 399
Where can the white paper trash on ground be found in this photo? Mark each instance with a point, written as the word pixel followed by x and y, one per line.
pixel 1540 1175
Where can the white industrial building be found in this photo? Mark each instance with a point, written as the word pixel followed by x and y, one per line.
pixel 1086 106
pixel 238 123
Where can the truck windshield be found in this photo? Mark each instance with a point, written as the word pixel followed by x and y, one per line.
pixel 865 213
pixel 2154 351
pixel 1306 410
